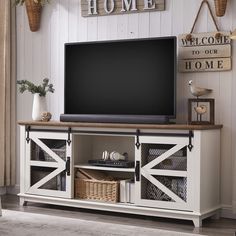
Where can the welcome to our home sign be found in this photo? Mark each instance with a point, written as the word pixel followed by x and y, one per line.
pixel 205 52
pixel 112 7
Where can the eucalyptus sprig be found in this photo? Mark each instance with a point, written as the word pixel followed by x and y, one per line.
pixel 41 2
pixel 42 89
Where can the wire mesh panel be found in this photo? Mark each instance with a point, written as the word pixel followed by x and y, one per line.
pixel 177 185
pixel 177 161
pixel 154 193
pixel 57 146
pixel 164 173
pixel 56 183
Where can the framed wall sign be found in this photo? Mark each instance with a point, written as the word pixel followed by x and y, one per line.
pixel 205 51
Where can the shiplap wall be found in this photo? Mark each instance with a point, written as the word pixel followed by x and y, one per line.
pixel 41 54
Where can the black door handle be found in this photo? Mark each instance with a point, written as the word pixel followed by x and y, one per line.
pixel 137 170
pixel 68 166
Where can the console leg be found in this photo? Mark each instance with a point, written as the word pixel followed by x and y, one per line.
pixel 23 202
pixel 197 222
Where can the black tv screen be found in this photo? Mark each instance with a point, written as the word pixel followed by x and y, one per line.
pixel 125 78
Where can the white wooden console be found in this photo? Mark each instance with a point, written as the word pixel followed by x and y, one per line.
pixel 176 173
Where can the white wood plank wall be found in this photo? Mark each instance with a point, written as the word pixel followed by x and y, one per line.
pixel 41 54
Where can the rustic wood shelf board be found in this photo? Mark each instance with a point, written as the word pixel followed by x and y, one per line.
pixel 120 126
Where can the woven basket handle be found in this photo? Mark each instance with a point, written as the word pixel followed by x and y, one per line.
pixel 189 37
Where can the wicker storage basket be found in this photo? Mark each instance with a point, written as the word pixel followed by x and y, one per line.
pixel 101 190
pixel 34 14
pixel 220 6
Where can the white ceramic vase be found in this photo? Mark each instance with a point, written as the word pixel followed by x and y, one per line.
pixel 39 106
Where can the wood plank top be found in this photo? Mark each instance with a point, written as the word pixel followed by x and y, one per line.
pixel 119 125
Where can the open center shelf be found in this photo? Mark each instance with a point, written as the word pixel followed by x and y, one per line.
pixel 90 167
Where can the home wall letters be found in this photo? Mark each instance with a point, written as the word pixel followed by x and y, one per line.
pixel 114 7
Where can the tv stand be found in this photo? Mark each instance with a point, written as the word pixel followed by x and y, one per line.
pixel 176 173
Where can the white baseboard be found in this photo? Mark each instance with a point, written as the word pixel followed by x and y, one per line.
pixel 227 212
pixel 10 190
pixel 3 190
pixel 13 189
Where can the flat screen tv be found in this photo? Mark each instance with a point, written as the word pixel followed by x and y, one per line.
pixel 125 81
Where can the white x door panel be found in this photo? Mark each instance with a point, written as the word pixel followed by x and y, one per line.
pixel 165 178
pixel 48 165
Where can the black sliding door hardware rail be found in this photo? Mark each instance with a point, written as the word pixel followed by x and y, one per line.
pixel 137 144
pixel 190 145
pixel 110 132
pixel 27 134
pixel 138 133
pixel 69 133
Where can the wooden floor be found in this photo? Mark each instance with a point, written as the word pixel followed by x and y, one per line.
pixel 222 227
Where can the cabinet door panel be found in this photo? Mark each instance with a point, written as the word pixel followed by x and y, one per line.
pixel 164 172
pixel 48 165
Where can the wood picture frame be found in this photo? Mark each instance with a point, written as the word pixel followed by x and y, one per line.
pixel 198 105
